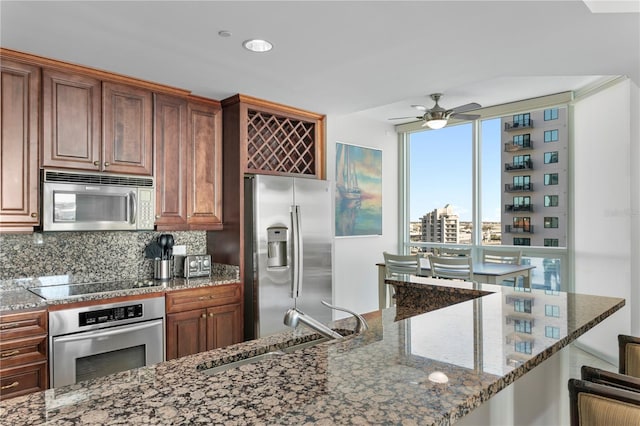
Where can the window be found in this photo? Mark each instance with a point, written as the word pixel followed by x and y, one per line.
pixel 550 157
pixel 521 201
pixel 551 242
pixel 521 183
pixel 522 140
pixel 550 136
pixel 522 305
pixel 522 120
pixel 522 326
pixel 550 222
pixel 550 114
pixel 523 347
pixel 521 161
pixel 523 223
pixel 551 179
pixel 522 241
pixel 551 201
pixel 552 332
pixel 552 311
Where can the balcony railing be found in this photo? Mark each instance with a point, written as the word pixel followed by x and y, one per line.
pixel 520 165
pixel 526 187
pixel 512 147
pixel 518 208
pixel 516 125
pixel 527 229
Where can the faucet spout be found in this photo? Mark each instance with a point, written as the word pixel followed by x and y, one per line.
pixel 361 322
pixel 294 316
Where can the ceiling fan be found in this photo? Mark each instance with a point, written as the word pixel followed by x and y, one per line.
pixel 437 117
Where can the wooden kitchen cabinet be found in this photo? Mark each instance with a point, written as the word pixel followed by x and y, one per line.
pixel 23 353
pixel 203 319
pixel 127 122
pixel 188 157
pixel 19 126
pixel 71 120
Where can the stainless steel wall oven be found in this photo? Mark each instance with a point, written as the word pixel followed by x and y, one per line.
pixel 95 341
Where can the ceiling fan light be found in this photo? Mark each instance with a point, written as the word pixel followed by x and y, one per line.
pixel 436 124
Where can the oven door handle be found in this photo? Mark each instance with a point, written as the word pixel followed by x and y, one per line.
pixel 109 332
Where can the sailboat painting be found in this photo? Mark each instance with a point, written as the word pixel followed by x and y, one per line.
pixel 358 191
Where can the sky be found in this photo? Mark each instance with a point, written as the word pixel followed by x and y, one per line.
pixel 441 170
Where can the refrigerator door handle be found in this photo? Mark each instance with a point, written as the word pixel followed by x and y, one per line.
pixel 296 282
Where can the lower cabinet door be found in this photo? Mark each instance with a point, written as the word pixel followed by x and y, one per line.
pixel 186 333
pixel 224 326
pixel 22 380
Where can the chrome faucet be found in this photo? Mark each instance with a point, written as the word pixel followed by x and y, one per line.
pixel 294 316
pixel 361 322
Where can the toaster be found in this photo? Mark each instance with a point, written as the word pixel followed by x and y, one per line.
pixel 197 265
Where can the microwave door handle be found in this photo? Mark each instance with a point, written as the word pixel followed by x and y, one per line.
pixel 133 203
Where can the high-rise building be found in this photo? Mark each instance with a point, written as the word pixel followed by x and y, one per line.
pixel 534 178
pixel 441 226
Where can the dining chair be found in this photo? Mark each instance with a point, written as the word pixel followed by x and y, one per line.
pixel 629 355
pixel 452 252
pixel 609 378
pixel 458 268
pixel 594 404
pixel 503 257
pixel 397 264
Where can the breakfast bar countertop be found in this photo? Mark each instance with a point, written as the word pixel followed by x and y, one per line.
pixel 379 376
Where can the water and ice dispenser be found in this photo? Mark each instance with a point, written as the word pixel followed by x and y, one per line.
pixel 277 246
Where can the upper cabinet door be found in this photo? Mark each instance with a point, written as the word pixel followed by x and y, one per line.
pixel 19 105
pixel 127 129
pixel 204 166
pixel 170 141
pixel 71 121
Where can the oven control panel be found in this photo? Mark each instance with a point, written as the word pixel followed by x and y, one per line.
pixel 109 315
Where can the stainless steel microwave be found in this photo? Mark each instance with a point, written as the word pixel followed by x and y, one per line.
pixel 85 201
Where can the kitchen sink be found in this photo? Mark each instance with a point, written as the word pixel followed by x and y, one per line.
pixel 278 351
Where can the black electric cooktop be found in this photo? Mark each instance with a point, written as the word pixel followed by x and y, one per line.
pixel 64 291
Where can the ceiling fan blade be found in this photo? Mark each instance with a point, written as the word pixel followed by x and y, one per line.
pixel 465 116
pixel 403 118
pixel 420 107
pixel 466 107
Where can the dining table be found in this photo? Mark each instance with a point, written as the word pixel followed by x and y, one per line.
pixel 483 272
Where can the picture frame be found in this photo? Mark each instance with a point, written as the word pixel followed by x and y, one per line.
pixel 358 195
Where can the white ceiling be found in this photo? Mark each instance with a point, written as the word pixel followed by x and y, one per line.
pixel 340 57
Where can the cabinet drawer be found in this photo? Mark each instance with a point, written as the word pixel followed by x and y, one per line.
pixel 23 380
pixel 23 324
pixel 185 300
pixel 23 351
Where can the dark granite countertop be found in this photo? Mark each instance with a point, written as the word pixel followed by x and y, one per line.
pixel 380 376
pixel 15 296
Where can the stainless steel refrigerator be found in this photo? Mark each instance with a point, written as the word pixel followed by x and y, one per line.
pixel 288 251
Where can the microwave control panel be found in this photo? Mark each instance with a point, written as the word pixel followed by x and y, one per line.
pixel 146 208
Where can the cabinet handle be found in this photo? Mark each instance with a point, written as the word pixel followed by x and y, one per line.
pixel 12 385
pixel 34 214
pixel 106 164
pixel 6 354
pixel 204 315
pixel 201 298
pixel 96 163
pixel 211 314
pixel 10 325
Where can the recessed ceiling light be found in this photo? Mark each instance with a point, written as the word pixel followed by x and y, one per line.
pixel 224 33
pixel 257 45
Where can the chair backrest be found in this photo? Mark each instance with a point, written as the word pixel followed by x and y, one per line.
pixel 609 378
pixel 596 404
pixel 629 357
pixel 397 264
pixel 452 252
pixel 457 268
pixel 496 256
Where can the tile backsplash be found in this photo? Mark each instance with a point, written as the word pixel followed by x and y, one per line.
pixel 86 256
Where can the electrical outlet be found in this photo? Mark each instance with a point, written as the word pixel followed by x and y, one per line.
pixel 180 250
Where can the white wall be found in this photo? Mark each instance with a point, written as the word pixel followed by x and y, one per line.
pixel 355 272
pixel 605 230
